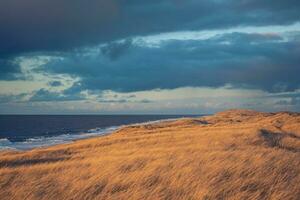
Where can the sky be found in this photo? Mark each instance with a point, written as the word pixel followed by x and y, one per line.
pixel 148 57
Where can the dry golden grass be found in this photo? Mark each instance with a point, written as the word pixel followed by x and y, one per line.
pixel 236 154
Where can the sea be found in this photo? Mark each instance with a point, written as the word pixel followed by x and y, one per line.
pixel 23 132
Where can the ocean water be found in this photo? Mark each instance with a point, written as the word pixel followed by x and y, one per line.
pixel 23 132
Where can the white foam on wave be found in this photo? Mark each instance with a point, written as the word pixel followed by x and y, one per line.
pixel 42 141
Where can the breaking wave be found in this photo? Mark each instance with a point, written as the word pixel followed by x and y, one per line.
pixel 43 141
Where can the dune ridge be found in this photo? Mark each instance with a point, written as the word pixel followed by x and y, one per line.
pixel 235 154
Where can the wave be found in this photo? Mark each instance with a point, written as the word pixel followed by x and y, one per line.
pixel 43 141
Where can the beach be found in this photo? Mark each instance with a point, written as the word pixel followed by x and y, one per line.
pixel 235 154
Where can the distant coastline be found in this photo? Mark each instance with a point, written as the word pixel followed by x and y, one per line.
pixel 62 135
pixel 236 154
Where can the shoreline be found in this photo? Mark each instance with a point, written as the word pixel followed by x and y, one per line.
pixel 236 154
pixel 41 141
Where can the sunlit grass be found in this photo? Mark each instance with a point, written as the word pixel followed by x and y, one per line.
pixel 232 155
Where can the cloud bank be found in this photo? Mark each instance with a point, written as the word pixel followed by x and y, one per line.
pixel 47 25
pixel 257 61
pixel 126 47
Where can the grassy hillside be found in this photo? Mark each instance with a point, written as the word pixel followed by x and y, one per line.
pixel 236 154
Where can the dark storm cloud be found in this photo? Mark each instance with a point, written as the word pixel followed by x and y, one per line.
pixel 52 25
pixel 9 70
pixel 46 25
pixel 295 94
pixel 55 83
pixel 46 95
pixel 295 101
pixel 292 102
pixel 123 101
pixel 243 60
pixel 116 49
pixel 9 98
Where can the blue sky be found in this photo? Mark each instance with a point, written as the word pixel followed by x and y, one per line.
pixel 137 57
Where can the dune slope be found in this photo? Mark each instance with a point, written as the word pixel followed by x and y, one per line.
pixel 236 154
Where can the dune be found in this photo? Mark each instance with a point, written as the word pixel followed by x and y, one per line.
pixel 235 154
